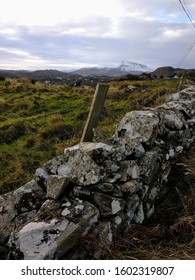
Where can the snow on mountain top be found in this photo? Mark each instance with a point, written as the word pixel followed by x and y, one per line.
pixel 132 66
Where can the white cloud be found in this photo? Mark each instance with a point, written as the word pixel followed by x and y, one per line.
pixel 49 12
pixel 48 33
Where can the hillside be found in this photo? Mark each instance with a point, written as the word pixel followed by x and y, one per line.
pixel 91 76
pixel 170 72
pixel 52 76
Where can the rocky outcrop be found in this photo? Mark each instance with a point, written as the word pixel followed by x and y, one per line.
pixel 99 188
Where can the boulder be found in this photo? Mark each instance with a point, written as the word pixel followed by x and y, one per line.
pixel 137 129
pixel 18 207
pixel 55 229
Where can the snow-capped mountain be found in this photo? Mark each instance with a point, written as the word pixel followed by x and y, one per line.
pixel 123 69
pixel 128 66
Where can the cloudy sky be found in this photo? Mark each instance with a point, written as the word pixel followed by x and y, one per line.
pixel 66 34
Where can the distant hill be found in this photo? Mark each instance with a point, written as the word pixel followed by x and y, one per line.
pixel 166 71
pixel 85 75
pixel 52 76
pixel 169 72
pixel 126 67
pixel 90 76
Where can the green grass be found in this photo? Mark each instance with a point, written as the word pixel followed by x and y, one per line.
pixel 37 121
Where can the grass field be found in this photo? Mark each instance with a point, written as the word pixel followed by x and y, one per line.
pixel 37 121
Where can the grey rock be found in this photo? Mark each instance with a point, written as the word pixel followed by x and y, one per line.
pixel 120 223
pixel 112 177
pixel 42 173
pixel 138 127
pixel 129 170
pixel 131 187
pixel 14 204
pixel 150 165
pixel 105 188
pixel 186 94
pixel 131 88
pixel 53 237
pixel 81 169
pixel 131 205
pixel 82 192
pixel 52 165
pixel 56 185
pixel 107 205
pixel 173 120
pixel 139 214
pixel 135 148
pixel 105 237
pixel 99 152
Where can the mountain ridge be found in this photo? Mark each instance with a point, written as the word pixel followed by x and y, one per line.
pixel 96 74
pixel 126 67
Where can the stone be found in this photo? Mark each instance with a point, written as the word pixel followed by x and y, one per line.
pixel 41 177
pixel 139 214
pixel 131 88
pixel 108 205
pixel 18 207
pixel 186 108
pixel 185 94
pixel 105 237
pixel 81 169
pixel 134 150
pixel 138 127
pixel 111 166
pixel 129 170
pixel 131 204
pixel 42 173
pixel 112 177
pixel 99 152
pixel 171 118
pixel 52 165
pixel 82 192
pixel 150 165
pixel 107 188
pixel 56 185
pixel 131 187
pixel 51 238
pixel 153 194
pixel 64 170
pixel 120 223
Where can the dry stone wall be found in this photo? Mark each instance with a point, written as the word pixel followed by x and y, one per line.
pixel 98 187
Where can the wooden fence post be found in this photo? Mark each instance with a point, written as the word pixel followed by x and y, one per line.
pixel 95 111
pixel 181 81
